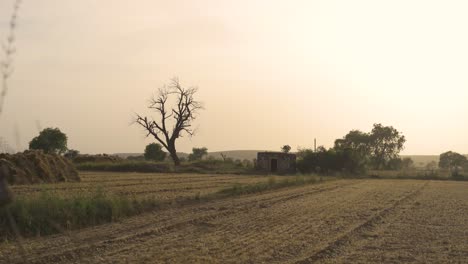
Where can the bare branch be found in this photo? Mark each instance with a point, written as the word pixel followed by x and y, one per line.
pixel 182 114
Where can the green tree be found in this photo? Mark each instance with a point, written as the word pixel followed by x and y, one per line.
pixel 452 160
pixel 285 149
pixel 355 140
pixel 50 140
pixel 154 152
pixel 385 144
pixel 198 154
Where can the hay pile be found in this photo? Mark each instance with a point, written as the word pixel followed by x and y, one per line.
pixel 100 158
pixel 34 166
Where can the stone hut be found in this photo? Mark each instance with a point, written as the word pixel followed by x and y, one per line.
pixel 276 162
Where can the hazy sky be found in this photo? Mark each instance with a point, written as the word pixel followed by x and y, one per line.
pixel 269 72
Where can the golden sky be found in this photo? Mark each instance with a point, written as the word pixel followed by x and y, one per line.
pixel 270 72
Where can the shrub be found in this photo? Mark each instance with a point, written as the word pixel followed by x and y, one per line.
pixel 154 152
pixel 331 160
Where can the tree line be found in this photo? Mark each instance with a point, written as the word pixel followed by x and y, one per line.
pixel 356 152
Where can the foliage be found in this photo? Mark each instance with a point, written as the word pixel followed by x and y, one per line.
pixel 50 140
pixel 325 161
pixel 154 152
pixel 285 149
pixel 198 154
pixel 356 141
pixel 385 143
pixel 378 148
pixel 356 152
pixel 452 160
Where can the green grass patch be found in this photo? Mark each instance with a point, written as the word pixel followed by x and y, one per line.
pixel 49 213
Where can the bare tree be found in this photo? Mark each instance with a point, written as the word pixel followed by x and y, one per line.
pixel 223 156
pixel 8 47
pixel 177 118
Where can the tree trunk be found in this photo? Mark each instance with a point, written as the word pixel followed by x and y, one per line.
pixel 173 153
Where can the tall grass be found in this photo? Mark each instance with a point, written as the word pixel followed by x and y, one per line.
pixel 49 213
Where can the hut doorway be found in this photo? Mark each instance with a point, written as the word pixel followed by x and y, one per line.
pixel 274 165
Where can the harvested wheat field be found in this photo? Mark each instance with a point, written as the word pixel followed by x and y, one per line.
pixel 363 221
pixel 162 187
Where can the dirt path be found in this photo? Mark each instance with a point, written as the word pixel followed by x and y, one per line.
pixel 342 221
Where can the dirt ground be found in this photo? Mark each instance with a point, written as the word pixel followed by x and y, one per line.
pixel 346 221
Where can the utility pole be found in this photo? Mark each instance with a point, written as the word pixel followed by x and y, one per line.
pixel 315 145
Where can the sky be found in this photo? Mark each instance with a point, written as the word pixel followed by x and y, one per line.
pixel 269 73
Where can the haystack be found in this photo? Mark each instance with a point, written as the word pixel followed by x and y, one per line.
pixel 35 166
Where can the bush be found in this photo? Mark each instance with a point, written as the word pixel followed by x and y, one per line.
pixel 154 152
pixel 331 160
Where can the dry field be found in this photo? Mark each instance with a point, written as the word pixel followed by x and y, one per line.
pixel 162 187
pixel 360 221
